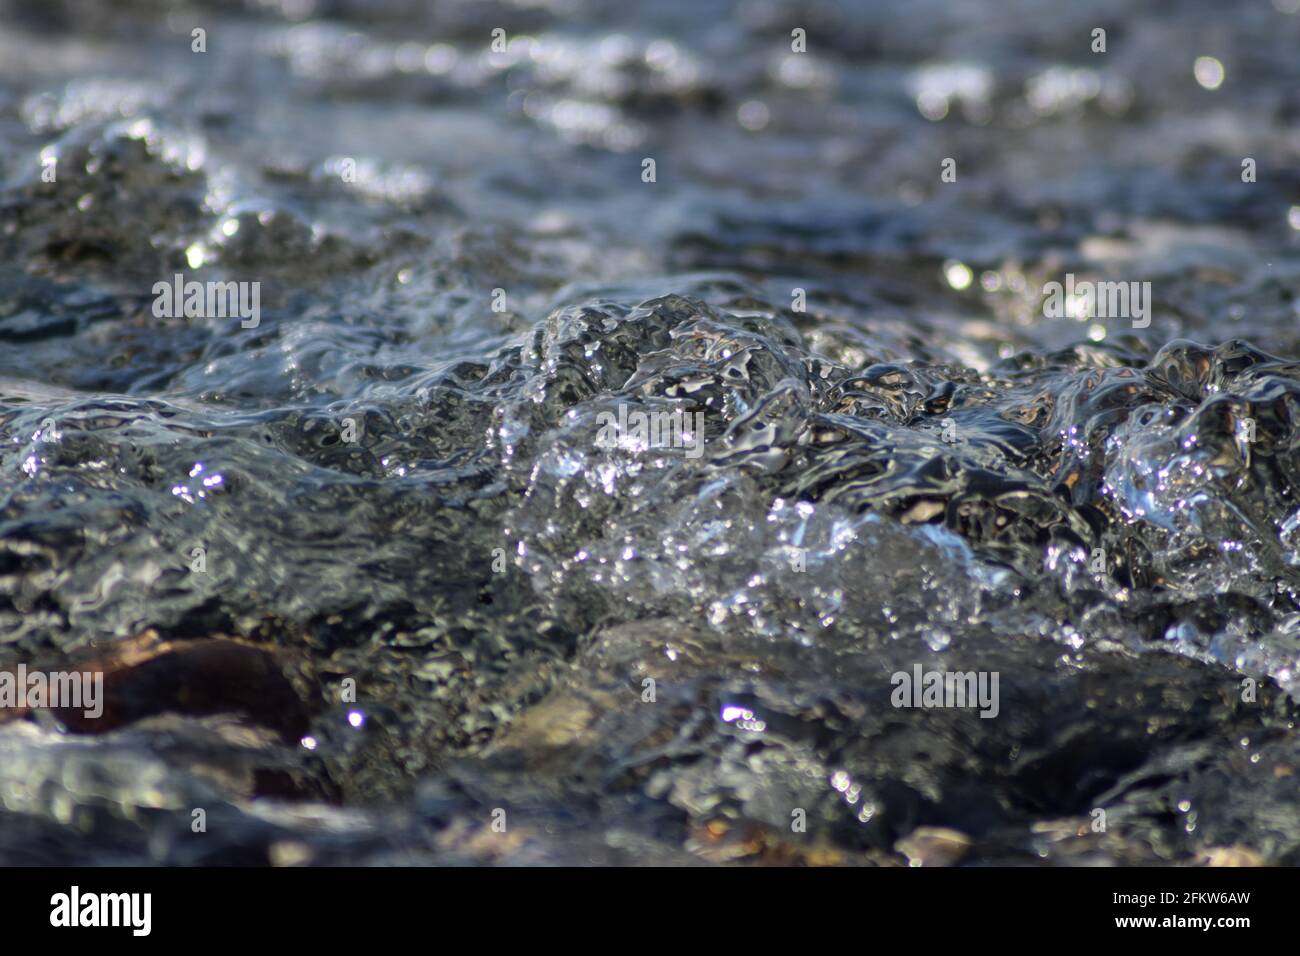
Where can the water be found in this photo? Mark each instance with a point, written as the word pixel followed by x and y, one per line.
pixel 461 267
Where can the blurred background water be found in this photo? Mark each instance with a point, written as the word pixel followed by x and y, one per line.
pixel 461 265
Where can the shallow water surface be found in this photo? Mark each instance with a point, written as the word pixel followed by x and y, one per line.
pixel 362 577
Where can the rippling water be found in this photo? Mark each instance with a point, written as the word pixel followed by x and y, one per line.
pixel 364 581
